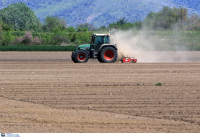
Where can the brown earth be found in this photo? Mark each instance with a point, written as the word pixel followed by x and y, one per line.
pixel 46 92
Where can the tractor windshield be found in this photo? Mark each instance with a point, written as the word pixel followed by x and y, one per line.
pixel 102 40
pixel 107 39
pixel 99 40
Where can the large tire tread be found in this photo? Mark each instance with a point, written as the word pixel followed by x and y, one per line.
pixel 72 57
pixel 99 58
pixel 77 59
pixel 102 59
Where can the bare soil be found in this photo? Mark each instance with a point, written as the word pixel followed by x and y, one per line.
pixel 44 92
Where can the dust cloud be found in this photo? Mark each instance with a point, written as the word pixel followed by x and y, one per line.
pixel 149 47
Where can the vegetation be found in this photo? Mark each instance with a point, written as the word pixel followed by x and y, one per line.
pixel 54 24
pixel 123 24
pixel 174 19
pixel 37 48
pixel 20 27
pixel 20 17
pixel 158 84
pixel 1 34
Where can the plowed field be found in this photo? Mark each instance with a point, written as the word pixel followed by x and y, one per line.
pixel 47 92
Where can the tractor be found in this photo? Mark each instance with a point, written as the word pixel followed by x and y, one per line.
pixel 99 48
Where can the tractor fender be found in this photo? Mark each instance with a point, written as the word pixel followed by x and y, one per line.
pixel 107 45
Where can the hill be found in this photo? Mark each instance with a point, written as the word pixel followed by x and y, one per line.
pixel 98 12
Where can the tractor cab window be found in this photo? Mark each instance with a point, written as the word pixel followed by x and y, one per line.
pixel 107 39
pixel 99 40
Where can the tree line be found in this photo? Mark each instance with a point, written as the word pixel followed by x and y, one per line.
pixel 20 26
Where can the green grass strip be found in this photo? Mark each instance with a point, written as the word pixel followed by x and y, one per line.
pixel 37 48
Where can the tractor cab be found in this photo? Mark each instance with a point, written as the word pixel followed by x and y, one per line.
pixel 99 39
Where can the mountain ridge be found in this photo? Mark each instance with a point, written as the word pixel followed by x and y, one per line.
pixel 100 13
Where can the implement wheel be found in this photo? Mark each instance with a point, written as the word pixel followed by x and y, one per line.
pixel 108 55
pixel 80 56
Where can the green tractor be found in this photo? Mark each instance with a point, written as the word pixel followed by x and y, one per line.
pixel 99 48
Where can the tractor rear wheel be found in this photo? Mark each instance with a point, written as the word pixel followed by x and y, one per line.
pixel 99 58
pixel 108 55
pixel 81 56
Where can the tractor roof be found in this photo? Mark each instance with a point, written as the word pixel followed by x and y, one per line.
pixel 101 34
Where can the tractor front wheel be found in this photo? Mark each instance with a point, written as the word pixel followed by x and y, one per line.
pixel 80 56
pixel 72 57
pixel 108 55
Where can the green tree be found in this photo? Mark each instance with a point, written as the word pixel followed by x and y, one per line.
pixel 71 29
pixel 121 24
pixel 57 31
pixel 182 13
pixel 102 28
pixel 7 38
pixel 165 18
pixel 182 17
pixel 20 17
pixel 84 25
pixel 193 22
pixel 90 27
pixel 1 32
pixel 150 21
pixel 6 27
pixel 138 25
pixel 1 35
pixel 82 29
pixel 52 22
pixel 122 21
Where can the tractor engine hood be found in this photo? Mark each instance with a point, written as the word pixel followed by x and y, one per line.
pixel 84 47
